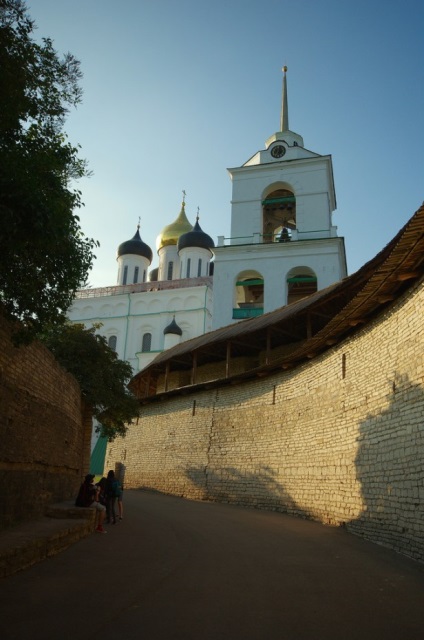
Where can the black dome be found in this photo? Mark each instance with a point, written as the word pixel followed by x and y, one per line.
pixel 195 238
pixel 153 274
pixel 173 328
pixel 135 247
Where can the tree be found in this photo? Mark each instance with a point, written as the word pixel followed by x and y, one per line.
pixel 44 255
pixel 103 377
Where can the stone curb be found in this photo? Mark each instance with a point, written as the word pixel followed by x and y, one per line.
pixel 31 542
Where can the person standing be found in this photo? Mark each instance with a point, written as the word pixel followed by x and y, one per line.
pixel 120 475
pixel 112 490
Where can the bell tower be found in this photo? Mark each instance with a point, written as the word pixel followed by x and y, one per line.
pixel 282 236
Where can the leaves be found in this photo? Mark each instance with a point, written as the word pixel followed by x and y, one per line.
pixel 44 255
pixel 103 377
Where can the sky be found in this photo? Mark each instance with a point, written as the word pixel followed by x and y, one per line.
pixel 176 92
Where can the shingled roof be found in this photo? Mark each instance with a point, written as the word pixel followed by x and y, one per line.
pixel 299 331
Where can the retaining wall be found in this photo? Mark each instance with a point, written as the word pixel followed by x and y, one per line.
pixel 44 431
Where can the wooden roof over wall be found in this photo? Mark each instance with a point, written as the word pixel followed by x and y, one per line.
pixel 301 330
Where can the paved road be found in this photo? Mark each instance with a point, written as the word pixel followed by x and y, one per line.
pixel 179 570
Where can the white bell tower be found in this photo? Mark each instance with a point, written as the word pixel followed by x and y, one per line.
pixel 283 243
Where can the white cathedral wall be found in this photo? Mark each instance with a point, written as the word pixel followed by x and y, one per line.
pixel 311 184
pixel 246 221
pixel 132 261
pixel 273 262
pixel 166 255
pixel 309 176
pixel 130 316
pixel 293 152
pixel 313 217
pixel 195 254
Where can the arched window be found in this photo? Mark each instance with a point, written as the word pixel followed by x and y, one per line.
pixel 144 275
pixel 112 341
pixel 135 275
pixel 249 295
pixel 279 216
pixel 188 267
pixel 124 279
pixel 301 282
pixel 199 268
pixel 146 344
pixel 170 270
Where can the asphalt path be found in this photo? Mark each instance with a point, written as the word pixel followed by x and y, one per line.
pixel 176 569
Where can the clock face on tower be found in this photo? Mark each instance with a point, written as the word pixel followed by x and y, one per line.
pixel 278 151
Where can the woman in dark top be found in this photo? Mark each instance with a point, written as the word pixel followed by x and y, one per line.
pixel 112 488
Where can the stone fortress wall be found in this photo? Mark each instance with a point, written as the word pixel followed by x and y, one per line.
pixel 339 439
pixel 45 431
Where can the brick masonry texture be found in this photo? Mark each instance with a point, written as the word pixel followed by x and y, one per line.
pixel 44 430
pixel 339 439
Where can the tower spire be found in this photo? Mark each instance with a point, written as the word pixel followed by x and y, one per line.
pixel 284 118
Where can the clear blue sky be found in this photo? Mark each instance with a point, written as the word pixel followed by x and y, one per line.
pixel 177 91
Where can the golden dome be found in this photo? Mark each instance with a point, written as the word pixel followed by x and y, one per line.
pixel 171 233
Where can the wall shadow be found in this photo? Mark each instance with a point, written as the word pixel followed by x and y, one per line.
pixel 389 465
pixel 259 489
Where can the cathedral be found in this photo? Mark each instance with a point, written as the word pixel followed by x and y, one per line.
pixel 283 247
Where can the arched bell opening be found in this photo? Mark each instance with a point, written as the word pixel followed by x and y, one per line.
pixel 301 282
pixel 278 215
pixel 248 295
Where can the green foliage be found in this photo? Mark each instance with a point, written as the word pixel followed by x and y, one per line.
pixel 44 256
pixel 103 377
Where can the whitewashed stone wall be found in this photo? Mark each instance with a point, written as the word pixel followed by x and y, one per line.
pixel 340 439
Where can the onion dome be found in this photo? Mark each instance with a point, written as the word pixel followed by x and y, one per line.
pixel 173 328
pixel 153 275
pixel 195 238
pixel 173 231
pixel 135 247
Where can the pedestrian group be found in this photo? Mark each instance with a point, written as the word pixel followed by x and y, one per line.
pixel 102 497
